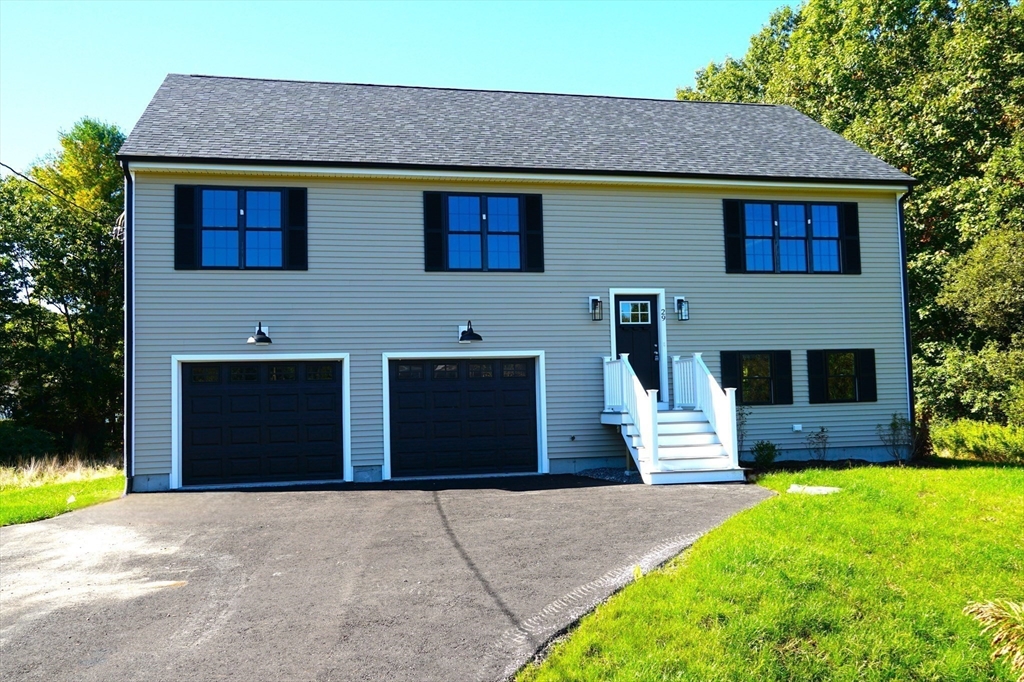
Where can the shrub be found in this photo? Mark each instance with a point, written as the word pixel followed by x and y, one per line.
pixel 23 442
pixel 817 443
pixel 1005 620
pixel 897 436
pixel 979 440
pixel 764 452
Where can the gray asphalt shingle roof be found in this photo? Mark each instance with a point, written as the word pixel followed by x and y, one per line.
pixel 205 118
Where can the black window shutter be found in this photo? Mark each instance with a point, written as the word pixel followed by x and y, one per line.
pixel 867 390
pixel 849 235
pixel 186 232
pixel 733 211
pixel 433 231
pixel 782 377
pixel 297 229
pixel 534 213
pixel 816 379
pixel 730 360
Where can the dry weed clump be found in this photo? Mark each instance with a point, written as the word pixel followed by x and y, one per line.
pixel 1005 619
pixel 52 470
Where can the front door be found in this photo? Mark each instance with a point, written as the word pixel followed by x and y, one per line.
pixel 636 333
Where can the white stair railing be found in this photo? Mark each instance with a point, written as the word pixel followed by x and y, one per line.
pixel 624 393
pixel 682 382
pixel 718 406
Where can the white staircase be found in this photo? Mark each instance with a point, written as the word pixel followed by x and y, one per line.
pixel 693 443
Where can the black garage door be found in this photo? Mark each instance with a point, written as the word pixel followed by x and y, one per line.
pixel 261 421
pixel 451 417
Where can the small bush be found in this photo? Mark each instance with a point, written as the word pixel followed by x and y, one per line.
pixel 966 438
pixel 817 443
pixel 23 442
pixel 764 452
pixel 897 436
pixel 1005 620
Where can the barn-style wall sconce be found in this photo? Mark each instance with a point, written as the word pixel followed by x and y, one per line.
pixel 467 335
pixel 596 309
pixel 260 338
pixel 682 308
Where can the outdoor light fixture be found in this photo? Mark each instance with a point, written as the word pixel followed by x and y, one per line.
pixel 467 335
pixel 260 338
pixel 596 309
pixel 682 308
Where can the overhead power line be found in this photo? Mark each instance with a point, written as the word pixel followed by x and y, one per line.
pixel 50 191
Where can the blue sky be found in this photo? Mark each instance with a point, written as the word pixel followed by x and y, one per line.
pixel 61 61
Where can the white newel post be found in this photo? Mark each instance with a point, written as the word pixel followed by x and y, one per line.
pixel 611 382
pixel 653 397
pixel 730 394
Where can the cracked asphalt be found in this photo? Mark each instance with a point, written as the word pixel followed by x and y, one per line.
pixel 438 580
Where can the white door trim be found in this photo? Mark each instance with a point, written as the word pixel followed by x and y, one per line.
pixel 662 314
pixel 178 360
pixel 543 464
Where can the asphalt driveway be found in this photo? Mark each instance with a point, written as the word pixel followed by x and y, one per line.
pixel 427 581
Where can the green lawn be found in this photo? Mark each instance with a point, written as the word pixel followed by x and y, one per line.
pixel 866 584
pixel 23 504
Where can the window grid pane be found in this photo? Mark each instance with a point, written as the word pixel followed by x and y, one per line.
pixel 759 255
pixel 220 248
pixel 282 373
pixel 825 253
pixel 825 221
pixel 464 252
pixel 463 214
pixel 220 208
pixel 841 381
pixel 446 370
pixel 792 221
pixel 758 220
pixel 756 370
pixel 503 252
pixel 410 372
pixel 263 249
pixel 792 255
pixel 263 210
pixel 635 312
pixel 502 214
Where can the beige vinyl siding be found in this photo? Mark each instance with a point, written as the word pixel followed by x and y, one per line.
pixel 366 293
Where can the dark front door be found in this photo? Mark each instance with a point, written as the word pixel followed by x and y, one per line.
pixel 452 417
pixel 251 422
pixel 636 333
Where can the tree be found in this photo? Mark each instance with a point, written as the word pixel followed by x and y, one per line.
pixel 61 292
pixel 936 89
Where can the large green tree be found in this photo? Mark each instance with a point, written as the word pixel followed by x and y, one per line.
pixel 61 292
pixel 935 88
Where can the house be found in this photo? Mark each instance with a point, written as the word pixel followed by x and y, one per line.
pixel 305 261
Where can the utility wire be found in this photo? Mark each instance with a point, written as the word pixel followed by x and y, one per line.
pixel 50 191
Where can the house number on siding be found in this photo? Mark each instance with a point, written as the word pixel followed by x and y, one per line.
pixel 664 315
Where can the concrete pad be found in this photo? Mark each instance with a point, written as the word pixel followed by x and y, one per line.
pixel 812 489
pixel 436 580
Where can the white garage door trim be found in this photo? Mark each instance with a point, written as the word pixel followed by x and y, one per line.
pixel 178 360
pixel 543 464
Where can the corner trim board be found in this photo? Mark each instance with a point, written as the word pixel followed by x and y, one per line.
pixel 543 463
pixel 346 401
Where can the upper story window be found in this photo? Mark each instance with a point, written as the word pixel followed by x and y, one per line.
pixel 233 228
pixel 483 232
pixel 791 237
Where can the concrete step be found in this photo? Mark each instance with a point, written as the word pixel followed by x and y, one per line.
pixel 701 476
pixel 670 428
pixel 691 451
pixel 694 464
pixel 673 439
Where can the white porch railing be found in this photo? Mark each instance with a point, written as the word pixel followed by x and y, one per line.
pixel 682 382
pixel 624 393
pixel 718 406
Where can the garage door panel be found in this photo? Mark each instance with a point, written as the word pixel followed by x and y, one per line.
pixel 280 422
pixel 448 416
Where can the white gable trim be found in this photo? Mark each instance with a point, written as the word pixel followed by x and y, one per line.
pixel 488 176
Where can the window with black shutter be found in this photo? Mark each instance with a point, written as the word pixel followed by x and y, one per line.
pixel 483 232
pixel 762 377
pixel 841 376
pixel 232 228
pixel 791 237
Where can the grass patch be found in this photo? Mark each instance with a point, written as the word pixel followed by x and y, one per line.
pixel 39 489
pixel 969 439
pixel 867 584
